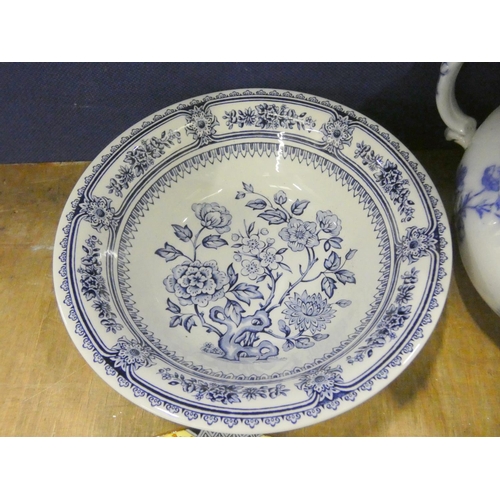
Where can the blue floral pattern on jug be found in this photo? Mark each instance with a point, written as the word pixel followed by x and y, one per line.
pixel 485 202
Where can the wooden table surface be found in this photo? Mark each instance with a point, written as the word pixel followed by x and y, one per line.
pixel 46 388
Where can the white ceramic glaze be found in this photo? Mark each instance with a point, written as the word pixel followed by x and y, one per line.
pixel 252 261
pixel 477 206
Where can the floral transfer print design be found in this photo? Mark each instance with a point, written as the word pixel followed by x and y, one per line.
pixel 321 383
pixel 415 244
pixel 131 354
pixel 390 179
pixel 99 212
pixel 222 393
pixel 200 124
pixel 484 202
pixel 393 319
pixel 269 116
pixel 196 283
pixel 93 285
pixel 140 159
pixel 337 133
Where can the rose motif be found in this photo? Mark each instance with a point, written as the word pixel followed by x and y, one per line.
pixel 196 283
pixel 213 216
pixel 329 222
pixel 299 235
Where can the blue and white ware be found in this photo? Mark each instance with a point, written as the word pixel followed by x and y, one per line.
pixel 477 207
pixel 252 261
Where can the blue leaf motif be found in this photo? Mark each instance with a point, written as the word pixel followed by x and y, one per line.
pixel 345 276
pixel 288 345
pixel 328 286
pixel 175 321
pixel 284 328
pixel 350 254
pixel 168 253
pixel 299 206
pixel 189 323
pixel 214 241
pixel 343 303
pixel 233 277
pixel 303 343
pixel 332 263
pixel 248 187
pixel 334 242
pixel 173 307
pixel 277 216
pixel 320 336
pixel 246 292
pixel 183 233
pixel 259 204
pixel 233 311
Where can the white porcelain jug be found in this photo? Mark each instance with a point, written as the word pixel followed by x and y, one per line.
pixel 477 207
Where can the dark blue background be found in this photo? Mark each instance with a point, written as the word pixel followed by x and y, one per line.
pixel 70 112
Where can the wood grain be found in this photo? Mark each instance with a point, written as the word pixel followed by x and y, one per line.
pixel 46 389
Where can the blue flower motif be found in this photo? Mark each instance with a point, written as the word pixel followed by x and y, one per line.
pixel 253 393
pixel 213 216
pixel 308 312
pixel 322 382
pixel 99 212
pixel 415 244
pixel 491 178
pixel 200 125
pixel 252 268
pixel 222 393
pixel 196 283
pixel 337 133
pixel 131 353
pixel 300 235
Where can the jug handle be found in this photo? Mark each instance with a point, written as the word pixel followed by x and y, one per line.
pixel 461 128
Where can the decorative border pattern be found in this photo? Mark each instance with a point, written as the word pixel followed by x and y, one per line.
pixel 329 398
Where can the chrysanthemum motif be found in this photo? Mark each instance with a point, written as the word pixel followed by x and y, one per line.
pixel 337 133
pixel 322 382
pixel 308 312
pixel 200 125
pixel 131 353
pixel 99 213
pixel 196 283
pixel 415 244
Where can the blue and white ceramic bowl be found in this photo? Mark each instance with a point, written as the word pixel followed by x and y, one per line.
pixel 252 261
